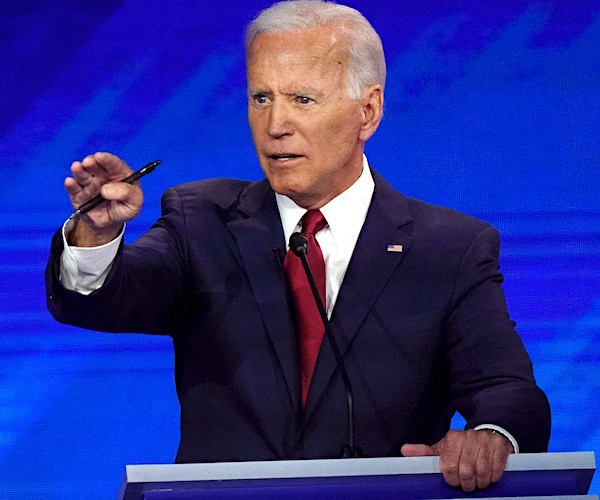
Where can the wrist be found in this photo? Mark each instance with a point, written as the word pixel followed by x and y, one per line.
pixel 83 234
pixel 499 431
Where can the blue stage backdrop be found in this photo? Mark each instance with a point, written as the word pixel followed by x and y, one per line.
pixel 492 108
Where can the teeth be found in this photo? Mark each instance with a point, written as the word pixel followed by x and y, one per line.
pixel 283 157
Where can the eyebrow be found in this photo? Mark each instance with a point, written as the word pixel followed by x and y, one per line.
pixel 305 92
pixel 256 90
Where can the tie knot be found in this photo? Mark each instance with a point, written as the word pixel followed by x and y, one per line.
pixel 312 222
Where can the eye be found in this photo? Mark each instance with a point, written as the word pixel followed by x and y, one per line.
pixel 260 99
pixel 302 99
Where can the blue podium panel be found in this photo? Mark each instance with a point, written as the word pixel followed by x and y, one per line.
pixel 334 493
pixel 547 475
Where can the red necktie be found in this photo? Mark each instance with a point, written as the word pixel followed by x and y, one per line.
pixel 307 320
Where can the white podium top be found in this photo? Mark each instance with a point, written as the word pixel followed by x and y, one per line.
pixel 139 477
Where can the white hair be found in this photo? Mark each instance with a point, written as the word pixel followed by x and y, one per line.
pixel 366 61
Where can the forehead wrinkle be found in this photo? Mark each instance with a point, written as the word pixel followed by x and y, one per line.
pixel 331 43
pixel 281 80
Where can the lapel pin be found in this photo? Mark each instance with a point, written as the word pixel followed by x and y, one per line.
pixel 394 248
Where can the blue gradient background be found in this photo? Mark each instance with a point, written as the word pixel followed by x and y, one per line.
pixel 492 108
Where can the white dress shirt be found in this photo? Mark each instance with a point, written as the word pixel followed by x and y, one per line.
pixel 84 269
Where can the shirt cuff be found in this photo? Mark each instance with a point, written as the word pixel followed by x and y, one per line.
pixel 500 430
pixel 84 269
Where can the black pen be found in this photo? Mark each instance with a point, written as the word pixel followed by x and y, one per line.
pixel 96 200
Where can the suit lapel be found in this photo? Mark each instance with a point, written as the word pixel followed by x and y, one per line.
pixel 370 268
pixel 257 230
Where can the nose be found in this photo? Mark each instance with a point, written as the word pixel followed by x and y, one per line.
pixel 279 123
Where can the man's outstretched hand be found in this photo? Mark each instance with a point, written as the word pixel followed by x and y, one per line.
pixel 469 459
pixel 101 173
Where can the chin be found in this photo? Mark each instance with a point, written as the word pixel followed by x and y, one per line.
pixel 286 191
pixel 286 186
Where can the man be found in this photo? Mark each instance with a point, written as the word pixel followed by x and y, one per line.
pixel 412 291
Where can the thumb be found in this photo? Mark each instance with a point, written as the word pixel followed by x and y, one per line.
pixel 117 191
pixel 418 450
pixel 127 198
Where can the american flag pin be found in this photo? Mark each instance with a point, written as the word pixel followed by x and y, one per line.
pixel 394 248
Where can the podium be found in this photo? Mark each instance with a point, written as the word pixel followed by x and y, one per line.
pixel 534 476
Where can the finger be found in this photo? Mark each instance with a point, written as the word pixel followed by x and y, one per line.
pixel 111 166
pixel 81 174
pixel 490 460
pixel 468 466
pixel 99 168
pixel 72 186
pixel 83 185
pixel 451 449
pixel 417 450
pixel 500 458
pixel 483 466
pixel 91 173
pixel 466 475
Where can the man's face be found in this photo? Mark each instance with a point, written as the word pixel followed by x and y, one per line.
pixel 308 135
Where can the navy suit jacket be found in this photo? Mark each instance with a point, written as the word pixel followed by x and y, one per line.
pixel 424 332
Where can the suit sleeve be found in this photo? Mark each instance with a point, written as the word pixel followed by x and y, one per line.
pixel 491 373
pixel 144 291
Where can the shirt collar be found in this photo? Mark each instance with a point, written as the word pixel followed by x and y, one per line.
pixel 345 214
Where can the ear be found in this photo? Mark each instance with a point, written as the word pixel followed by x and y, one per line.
pixel 372 109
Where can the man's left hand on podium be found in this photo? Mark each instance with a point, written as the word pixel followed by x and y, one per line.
pixel 469 459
